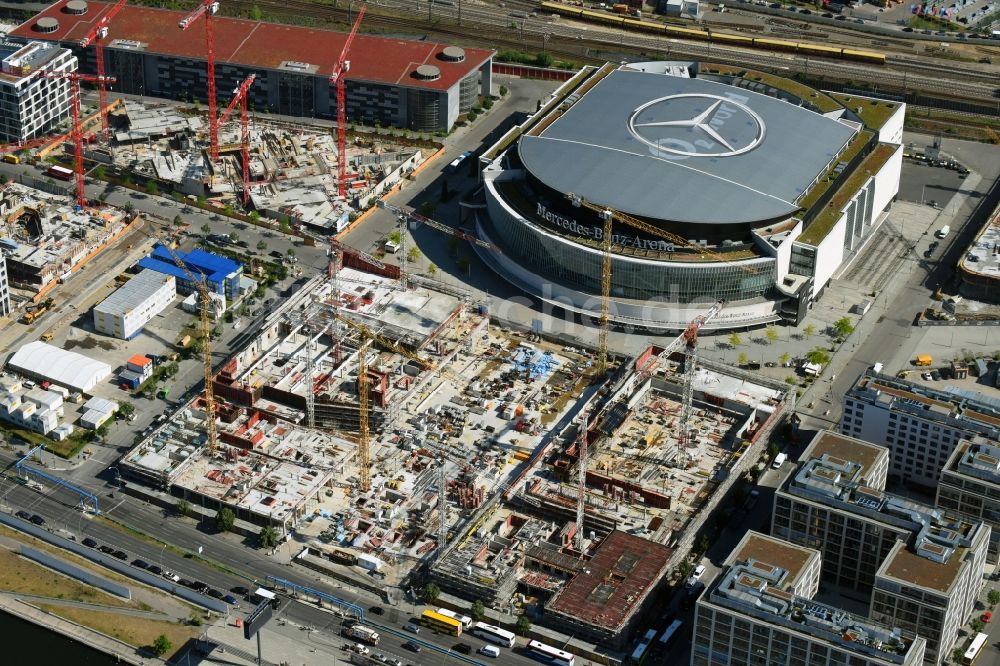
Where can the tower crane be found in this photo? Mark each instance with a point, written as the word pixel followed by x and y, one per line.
pixel 581 491
pixel 340 70
pixel 77 132
pixel 96 37
pixel 33 143
pixel 690 334
pixel 204 303
pixel 240 97
pixel 207 9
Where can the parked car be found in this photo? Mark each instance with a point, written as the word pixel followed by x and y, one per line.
pixel 198 586
pixel 36 519
pixel 377 610
pixel 23 515
pixel 411 646
pixel 155 570
pixel 107 550
pixel 412 628
pixel 141 564
pixel 215 594
pixel 89 543
pixel 464 648
pixel 231 600
pixel 183 581
pixel 120 555
pixel 240 590
pixel 170 575
pixel 935 375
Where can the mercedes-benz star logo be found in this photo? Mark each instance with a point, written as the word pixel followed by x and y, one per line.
pixel 697 125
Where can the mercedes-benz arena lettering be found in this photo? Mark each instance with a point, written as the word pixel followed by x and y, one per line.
pixel 772 187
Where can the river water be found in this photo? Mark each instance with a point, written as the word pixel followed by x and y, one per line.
pixel 25 643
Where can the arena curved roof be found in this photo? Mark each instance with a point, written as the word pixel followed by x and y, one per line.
pixel 684 150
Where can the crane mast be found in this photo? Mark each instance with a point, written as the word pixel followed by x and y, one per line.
pixel 207 9
pixel 96 37
pixel 340 69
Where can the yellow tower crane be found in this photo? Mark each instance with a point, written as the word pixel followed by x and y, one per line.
pixel 204 302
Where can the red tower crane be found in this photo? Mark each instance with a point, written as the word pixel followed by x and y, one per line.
pixel 96 37
pixel 337 78
pixel 208 8
pixel 240 96
pixel 77 132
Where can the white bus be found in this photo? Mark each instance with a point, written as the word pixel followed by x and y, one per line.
pixel 493 634
pixel 549 654
pixel 464 619
pixel 978 643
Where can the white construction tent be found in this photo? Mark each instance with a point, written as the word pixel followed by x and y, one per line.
pixel 44 362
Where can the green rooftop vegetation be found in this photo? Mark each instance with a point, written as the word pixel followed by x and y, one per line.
pixel 823 223
pixel 820 100
pixel 873 112
pixel 824 183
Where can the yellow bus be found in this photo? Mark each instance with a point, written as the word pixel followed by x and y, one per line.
pixel 975 649
pixel 441 623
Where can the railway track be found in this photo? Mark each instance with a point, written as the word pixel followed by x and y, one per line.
pixel 567 40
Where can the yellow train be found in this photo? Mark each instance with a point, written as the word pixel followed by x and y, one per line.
pixel 698 34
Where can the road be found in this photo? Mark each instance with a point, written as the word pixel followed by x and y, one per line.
pixel 235 563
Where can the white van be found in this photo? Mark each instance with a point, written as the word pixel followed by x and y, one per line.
pixel 779 460
pixel 391 247
pixel 943 231
pixel 489 651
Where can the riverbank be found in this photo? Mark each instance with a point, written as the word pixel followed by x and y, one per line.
pixel 116 651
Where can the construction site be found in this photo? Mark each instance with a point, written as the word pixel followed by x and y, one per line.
pixel 45 237
pixel 291 170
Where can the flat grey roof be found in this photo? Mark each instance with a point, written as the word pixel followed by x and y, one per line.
pixel 623 145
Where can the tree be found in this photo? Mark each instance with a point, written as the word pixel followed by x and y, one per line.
pixel 126 179
pixel 471 115
pixel 819 356
pixel 126 409
pixel 228 210
pixel 183 507
pixel 129 208
pixel 685 568
pixel 201 199
pixel 413 254
pixel 431 592
pixel 161 645
pixel 843 327
pixel 784 358
pixel 478 610
pixel 290 252
pixel 432 270
pixel 735 340
pixel 205 229
pixel 225 519
pixel 743 359
pixel 178 221
pixel 256 14
pixel 977 625
pixel 809 331
pixel 771 334
pixel 543 60
pixel 254 216
pixel 268 537
pixel 152 187
pixel 523 625
pixel 99 171
pixel 233 236
pixel 261 245
pixel 503 90
pixel 993 597
pixel 395 237
pixel 958 655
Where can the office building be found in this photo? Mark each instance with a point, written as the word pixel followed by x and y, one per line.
pixel 4 287
pixel 919 425
pixel 923 564
pixel 131 306
pixel 408 83
pixel 970 486
pixel 30 104
pixel 761 611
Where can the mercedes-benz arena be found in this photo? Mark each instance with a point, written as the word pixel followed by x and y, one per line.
pixel 759 189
